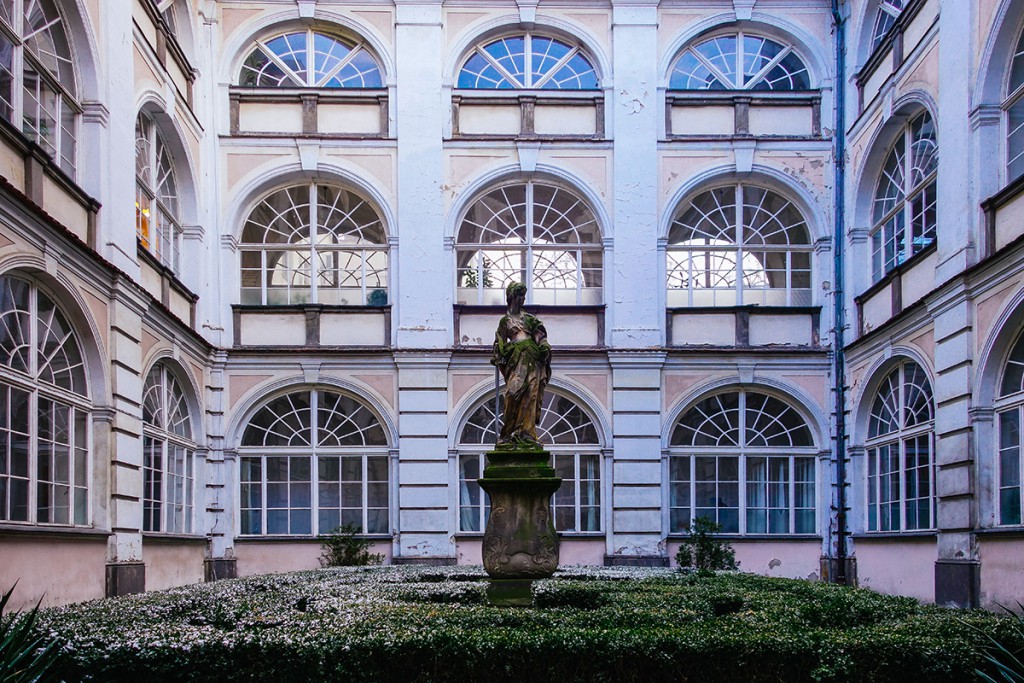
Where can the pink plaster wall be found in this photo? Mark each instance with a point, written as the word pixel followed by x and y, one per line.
pixel 58 571
pixel 1002 572
pixel 266 557
pixel 171 564
pixel 898 566
pixel 786 559
pixel 585 551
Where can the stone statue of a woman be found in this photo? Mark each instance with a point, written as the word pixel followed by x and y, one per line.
pixel 523 355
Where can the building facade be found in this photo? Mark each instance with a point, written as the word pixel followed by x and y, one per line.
pixel 777 246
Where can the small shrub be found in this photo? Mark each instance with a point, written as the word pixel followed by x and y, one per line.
pixel 24 656
pixel 701 550
pixel 342 548
pixel 575 594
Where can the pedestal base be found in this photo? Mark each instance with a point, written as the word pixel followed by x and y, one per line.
pixel 510 592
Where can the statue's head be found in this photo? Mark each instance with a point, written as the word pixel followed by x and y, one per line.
pixel 513 290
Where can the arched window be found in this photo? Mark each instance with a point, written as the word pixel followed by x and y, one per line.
pixel 745 460
pixel 1010 411
pixel 565 429
pixel 37 79
pixel 739 245
pixel 157 210
pixel 527 61
pixel 900 454
pixel 1013 105
pixel 903 213
pixel 44 410
pixel 314 243
pixel 168 449
pixel 530 232
pixel 310 59
pixel 885 18
pixel 311 461
pixel 739 61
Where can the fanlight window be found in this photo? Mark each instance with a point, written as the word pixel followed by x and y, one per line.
pixel 900 452
pixel 314 243
pixel 885 18
pixel 528 61
pixel 530 232
pixel 168 451
pixel 157 210
pixel 1013 105
pixel 904 211
pixel 739 245
pixel 44 410
pixel 310 59
pixel 312 461
pixel 745 460
pixel 739 61
pixel 37 79
pixel 566 430
pixel 1010 413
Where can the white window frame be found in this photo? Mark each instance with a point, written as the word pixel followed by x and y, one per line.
pixel 28 382
pixel 165 440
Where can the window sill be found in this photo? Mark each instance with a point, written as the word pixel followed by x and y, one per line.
pixel 159 537
pixel 284 538
pixel 892 535
pixel 41 531
pixel 1010 532
pixel 755 537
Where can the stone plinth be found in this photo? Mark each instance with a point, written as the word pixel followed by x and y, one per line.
pixel 520 542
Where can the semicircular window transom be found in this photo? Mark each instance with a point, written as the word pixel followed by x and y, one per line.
pixel 739 245
pixel 742 419
pixel 310 59
pixel 290 421
pixel 903 400
pixel 562 422
pixel 527 61
pixel 1013 372
pixel 739 61
pixel 314 243
pixel 531 232
pixel 163 403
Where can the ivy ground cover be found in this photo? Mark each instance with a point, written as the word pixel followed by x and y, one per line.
pixel 429 624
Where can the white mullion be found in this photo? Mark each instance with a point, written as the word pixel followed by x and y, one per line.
pixel 712 68
pixel 362 282
pixel 908 230
pixel 364 487
pixel 272 56
pixel 738 218
pixel 33 407
pixel 756 78
pixel 578 501
pixel 555 69
pixel 314 466
pixel 579 277
pixel 528 265
pixel 264 275
pixel 502 70
pixel 740 83
pixel 314 235
pixel 164 476
pixel 310 57
pixel 340 65
pixel 265 503
pixel 479 276
pixel 741 475
pixel 528 60
pixel 789 278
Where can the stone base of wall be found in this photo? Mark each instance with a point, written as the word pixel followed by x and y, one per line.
pixel 425 561
pixel 830 570
pixel 220 569
pixel 957 583
pixel 125 578
pixel 636 561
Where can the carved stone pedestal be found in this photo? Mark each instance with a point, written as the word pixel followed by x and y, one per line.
pixel 520 543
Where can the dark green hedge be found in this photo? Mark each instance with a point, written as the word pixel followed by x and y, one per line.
pixel 408 624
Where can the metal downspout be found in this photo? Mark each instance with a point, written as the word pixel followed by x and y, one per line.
pixel 838 294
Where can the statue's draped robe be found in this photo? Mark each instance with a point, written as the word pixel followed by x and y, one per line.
pixel 526 367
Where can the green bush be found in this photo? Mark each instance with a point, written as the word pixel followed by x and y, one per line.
pixel 342 547
pixel 25 655
pixel 701 550
pixel 604 624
